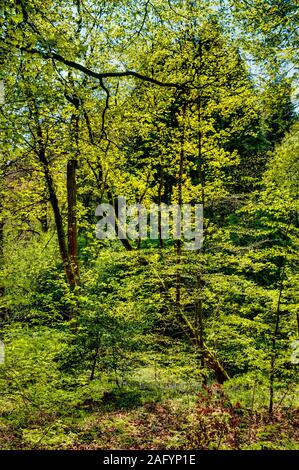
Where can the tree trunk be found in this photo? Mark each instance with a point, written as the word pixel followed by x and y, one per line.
pixel 276 329
pixel 72 233
pixel 2 288
pixel 119 229
pixel 44 213
pixel 199 322
pixel 161 181
pixel 273 353
pixel 58 221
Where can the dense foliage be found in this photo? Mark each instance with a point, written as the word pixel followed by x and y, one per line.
pixel 160 102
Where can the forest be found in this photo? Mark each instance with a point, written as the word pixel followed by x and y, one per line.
pixel 117 337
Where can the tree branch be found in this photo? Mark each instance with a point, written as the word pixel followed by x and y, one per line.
pixel 98 75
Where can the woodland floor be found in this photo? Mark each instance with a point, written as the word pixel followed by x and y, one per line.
pixel 178 423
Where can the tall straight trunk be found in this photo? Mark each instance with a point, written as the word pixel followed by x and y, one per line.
pixel 72 231
pixel 44 214
pixel 2 288
pixel 180 201
pixel 276 329
pixel 199 322
pixel 273 354
pixel 159 211
pixel 199 307
pixel 199 152
pixel 72 165
pixel 58 221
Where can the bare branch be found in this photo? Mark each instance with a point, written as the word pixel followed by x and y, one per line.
pixel 98 75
